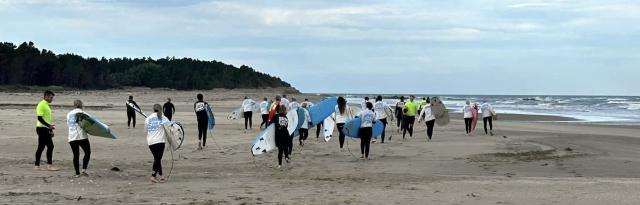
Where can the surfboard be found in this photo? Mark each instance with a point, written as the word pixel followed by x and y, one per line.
pixel 266 141
pixel 352 127
pixel 235 114
pixel 93 126
pixel 328 125
pixel 301 119
pixel 292 116
pixel 322 110
pixel 212 119
pixel 174 134
pixel 137 109
pixel 474 115
pixel 440 112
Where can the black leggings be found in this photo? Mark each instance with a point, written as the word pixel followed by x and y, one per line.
pixel 408 125
pixel 247 119
pixel 485 119
pixel 467 124
pixel 290 145
pixel 44 140
pixel 131 116
pixel 365 140
pixel 400 119
pixel 304 133
pixel 282 150
pixel 341 135
pixel 430 124
pixel 157 150
pixel 318 128
pixel 75 148
pixel 265 119
pixel 384 127
pixel 202 131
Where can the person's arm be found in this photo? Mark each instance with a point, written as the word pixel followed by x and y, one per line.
pixel 173 109
pixel 41 120
pixel 136 104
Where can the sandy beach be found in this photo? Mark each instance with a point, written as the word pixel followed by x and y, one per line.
pixel 529 161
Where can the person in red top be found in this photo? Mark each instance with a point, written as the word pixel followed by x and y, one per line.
pixel 272 109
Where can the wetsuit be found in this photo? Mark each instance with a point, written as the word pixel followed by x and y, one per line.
pixel 202 117
pixel 168 109
pixel 131 114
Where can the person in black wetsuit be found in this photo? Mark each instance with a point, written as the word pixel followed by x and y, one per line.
pixel 200 107
pixel 168 109
pixel 131 114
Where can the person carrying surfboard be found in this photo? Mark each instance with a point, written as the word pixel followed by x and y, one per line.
pixel 264 111
pixel 200 108
pixel 272 111
pixel 410 111
pixel 131 113
pixel 381 108
pixel 488 113
pixel 156 141
pixel 427 115
pixel 44 129
pixel 366 129
pixel 468 117
pixel 282 134
pixel 78 138
pixel 307 102
pixel 341 115
pixel 247 108
pixel 284 101
pixel 304 129
pixel 399 111
pixel 294 104
pixel 168 109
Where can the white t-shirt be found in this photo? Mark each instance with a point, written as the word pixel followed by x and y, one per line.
pixel 307 117
pixel 75 131
pixel 426 113
pixel 264 107
pixel 309 104
pixel 342 118
pixel 367 116
pixel 155 132
pixel 363 104
pixel 294 105
pixel 487 110
pixel 467 111
pixel 247 105
pixel 285 102
pixel 380 108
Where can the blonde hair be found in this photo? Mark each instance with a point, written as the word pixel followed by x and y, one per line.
pixel 78 104
pixel 158 109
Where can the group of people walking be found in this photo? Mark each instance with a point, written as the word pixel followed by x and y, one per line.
pixel 272 112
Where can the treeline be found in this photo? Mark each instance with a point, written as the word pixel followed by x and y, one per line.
pixel 27 65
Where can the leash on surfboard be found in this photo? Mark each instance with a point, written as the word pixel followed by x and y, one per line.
pixel 354 156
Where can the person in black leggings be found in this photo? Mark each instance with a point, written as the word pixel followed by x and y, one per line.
pixel 281 133
pixel 341 115
pixel 44 129
pixel 131 113
pixel 156 141
pixel 365 131
pixel 200 107
pixel 78 138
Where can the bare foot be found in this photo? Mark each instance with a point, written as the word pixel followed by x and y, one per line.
pixel 51 168
pixel 153 180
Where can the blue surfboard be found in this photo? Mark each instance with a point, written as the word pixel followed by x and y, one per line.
pixel 300 122
pixel 352 127
pixel 212 119
pixel 322 110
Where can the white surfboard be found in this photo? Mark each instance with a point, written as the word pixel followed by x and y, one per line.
pixel 328 125
pixel 292 116
pixel 265 142
pixel 235 114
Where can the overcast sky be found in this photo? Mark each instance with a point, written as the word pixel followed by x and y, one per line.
pixel 588 47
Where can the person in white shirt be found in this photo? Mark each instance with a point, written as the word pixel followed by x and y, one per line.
pixel 468 116
pixel 247 108
pixel 363 104
pixel 341 115
pixel 294 104
pixel 78 138
pixel 284 101
pixel 367 117
pixel 428 117
pixel 156 141
pixel 487 115
pixel 380 108
pixel 264 110
pixel 307 102
pixel 304 129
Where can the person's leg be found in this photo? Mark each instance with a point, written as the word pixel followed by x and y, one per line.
pixel 133 116
pixel 384 128
pixel 265 117
pixel 246 119
pixel 411 120
pixel 160 153
pixel 491 125
pixel 367 139
pixel 341 134
pixel 41 143
pixel 250 119
pixel 318 128
pixel 430 125
pixel 290 145
pixel 76 155
pixel 200 134
pixel 280 153
pixel 361 134
pixel 86 148
pixel 153 148
pixel 467 125
pixel 404 126
pixel 484 122
pixel 129 117
pixel 49 145
pixel 204 135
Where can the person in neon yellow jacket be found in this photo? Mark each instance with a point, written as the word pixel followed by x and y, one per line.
pixel 410 110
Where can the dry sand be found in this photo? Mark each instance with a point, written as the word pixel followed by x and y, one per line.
pixel 527 162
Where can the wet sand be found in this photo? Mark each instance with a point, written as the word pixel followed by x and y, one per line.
pixel 528 161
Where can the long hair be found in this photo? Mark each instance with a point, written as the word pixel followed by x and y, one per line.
pixel 78 104
pixel 158 109
pixel 342 104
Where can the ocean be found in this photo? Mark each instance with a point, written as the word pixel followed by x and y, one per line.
pixel 586 109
